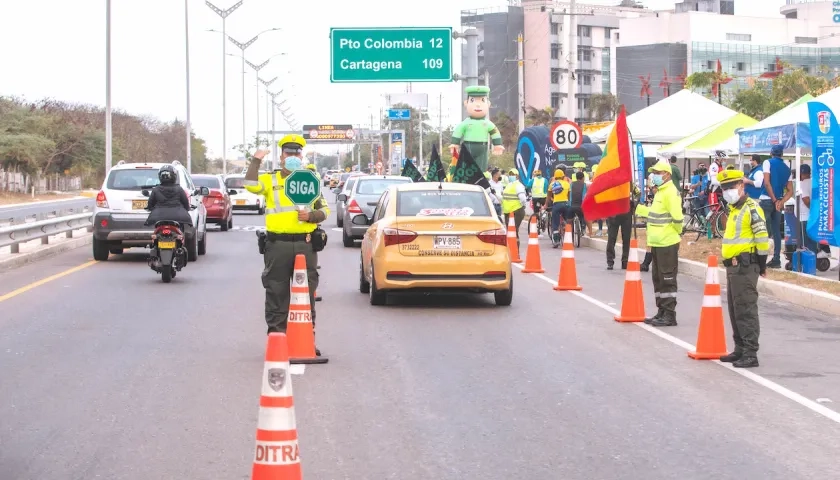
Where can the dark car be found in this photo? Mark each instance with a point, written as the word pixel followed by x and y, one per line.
pixel 218 204
pixel 361 201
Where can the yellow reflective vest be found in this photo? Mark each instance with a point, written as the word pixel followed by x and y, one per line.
pixel 664 217
pixel 538 188
pixel 510 198
pixel 746 231
pixel 281 215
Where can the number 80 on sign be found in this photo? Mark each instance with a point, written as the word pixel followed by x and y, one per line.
pixel 566 135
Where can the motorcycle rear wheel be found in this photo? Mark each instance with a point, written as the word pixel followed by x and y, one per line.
pixel 166 273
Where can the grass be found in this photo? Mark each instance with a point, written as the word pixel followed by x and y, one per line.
pixel 700 250
pixel 8 198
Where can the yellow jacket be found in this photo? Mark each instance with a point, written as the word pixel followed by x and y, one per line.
pixel 746 231
pixel 281 215
pixel 664 217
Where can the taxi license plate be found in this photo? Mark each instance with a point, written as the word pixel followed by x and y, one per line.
pixel 139 204
pixel 166 245
pixel 240 202
pixel 448 242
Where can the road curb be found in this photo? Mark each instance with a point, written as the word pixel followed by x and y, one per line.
pixel 21 259
pixel 794 294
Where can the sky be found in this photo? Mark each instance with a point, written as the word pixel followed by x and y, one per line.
pixel 56 49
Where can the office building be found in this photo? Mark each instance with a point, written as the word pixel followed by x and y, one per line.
pixel 654 54
pixel 497 29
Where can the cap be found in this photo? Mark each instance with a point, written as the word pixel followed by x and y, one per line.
pixel 513 171
pixel 311 166
pixel 730 176
pixel 777 150
pixel 730 167
pixel 292 140
pixel 559 173
pixel 477 91
pixel 805 168
pixel 661 166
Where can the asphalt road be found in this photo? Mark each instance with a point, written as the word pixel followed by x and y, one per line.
pixel 33 209
pixel 108 373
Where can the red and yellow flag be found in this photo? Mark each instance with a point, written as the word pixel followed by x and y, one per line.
pixel 609 193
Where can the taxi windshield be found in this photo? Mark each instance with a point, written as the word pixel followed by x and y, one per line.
pixel 442 203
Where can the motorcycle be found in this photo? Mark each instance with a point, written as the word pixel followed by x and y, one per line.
pixel 168 254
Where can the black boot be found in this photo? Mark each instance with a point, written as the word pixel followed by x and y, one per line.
pixel 609 266
pixel 668 319
pixel 747 361
pixel 645 265
pixel 656 317
pixel 624 265
pixel 732 357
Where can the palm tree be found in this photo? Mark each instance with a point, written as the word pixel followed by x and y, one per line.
pixel 603 106
pixel 535 116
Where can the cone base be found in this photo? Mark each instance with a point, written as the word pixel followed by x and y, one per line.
pixel 707 356
pixel 566 289
pixel 516 261
pixel 533 271
pixel 309 361
pixel 629 319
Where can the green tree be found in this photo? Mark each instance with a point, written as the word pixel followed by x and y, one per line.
pixel 508 128
pixel 603 106
pixel 535 116
pixel 767 97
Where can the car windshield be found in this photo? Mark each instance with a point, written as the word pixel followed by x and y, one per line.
pixel 133 179
pixel 235 182
pixel 375 186
pixel 345 176
pixel 442 204
pixel 209 182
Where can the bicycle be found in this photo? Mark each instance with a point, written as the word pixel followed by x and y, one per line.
pixel 577 231
pixel 700 220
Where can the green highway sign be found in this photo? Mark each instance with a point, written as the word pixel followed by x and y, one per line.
pixel 302 187
pixel 399 54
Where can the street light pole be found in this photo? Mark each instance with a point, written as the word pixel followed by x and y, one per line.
pixel 109 158
pixel 224 14
pixel 187 46
pixel 257 69
pixel 273 107
pixel 267 83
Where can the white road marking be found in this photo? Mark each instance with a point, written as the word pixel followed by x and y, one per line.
pixel 297 369
pixel 337 229
pixel 815 407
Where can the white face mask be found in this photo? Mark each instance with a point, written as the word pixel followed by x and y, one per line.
pixel 732 195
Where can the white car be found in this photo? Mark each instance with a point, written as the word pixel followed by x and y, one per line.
pixel 328 176
pixel 242 199
pixel 120 212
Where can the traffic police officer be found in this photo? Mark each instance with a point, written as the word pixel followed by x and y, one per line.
pixel 744 249
pixel 288 231
pixel 513 201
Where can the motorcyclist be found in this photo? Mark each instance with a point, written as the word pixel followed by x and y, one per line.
pixel 168 201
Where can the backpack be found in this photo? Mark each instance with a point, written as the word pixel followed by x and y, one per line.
pixel 556 188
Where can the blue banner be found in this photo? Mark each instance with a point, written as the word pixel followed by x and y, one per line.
pixel 760 141
pixel 825 184
pixel 640 168
pixel 533 152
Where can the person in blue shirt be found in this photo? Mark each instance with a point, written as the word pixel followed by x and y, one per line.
pixel 777 180
pixel 754 183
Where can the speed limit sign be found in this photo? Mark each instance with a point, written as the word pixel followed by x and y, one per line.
pixel 566 135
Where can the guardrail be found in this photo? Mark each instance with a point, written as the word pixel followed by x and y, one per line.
pixel 14 235
pixel 38 211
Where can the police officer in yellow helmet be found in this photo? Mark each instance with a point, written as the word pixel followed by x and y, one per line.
pixel 290 230
pixel 744 249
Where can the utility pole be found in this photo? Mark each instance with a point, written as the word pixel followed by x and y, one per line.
pixel 224 14
pixel 470 65
pixel 420 114
pixel 520 80
pixel 109 151
pixel 572 81
pixel 440 124
pixel 187 64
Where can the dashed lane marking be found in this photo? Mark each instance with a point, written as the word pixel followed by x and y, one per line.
pixel 815 407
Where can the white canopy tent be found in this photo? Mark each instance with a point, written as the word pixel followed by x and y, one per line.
pixel 671 119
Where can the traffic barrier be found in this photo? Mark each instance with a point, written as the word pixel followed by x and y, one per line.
pixel 299 327
pixel 633 302
pixel 511 241
pixel 276 455
pixel 567 280
pixel 711 337
pixel 533 261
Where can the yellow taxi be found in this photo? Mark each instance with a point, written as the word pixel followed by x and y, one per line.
pixel 434 237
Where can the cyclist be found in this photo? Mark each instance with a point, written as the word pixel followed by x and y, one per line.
pixel 539 190
pixel 558 199
pixel 577 192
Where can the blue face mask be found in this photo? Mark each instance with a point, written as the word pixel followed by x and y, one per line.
pixel 657 180
pixel 293 163
pixel 512 178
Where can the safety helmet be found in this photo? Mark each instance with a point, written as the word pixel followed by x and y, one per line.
pixel 167 175
pixel 730 167
pixel 513 171
pixel 559 173
pixel 292 141
pixel 311 166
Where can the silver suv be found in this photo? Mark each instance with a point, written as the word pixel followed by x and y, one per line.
pixel 120 212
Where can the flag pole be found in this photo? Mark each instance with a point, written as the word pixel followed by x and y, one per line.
pixel 636 168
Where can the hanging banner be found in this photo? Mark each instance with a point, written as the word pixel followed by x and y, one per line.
pixel 640 169
pixel 761 141
pixel 825 184
pixel 533 152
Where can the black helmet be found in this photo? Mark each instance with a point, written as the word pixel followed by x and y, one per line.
pixel 167 175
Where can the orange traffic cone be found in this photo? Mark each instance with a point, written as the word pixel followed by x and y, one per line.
pixel 533 262
pixel 300 329
pixel 511 241
pixel 276 453
pixel 633 303
pixel 568 270
pixel 711 339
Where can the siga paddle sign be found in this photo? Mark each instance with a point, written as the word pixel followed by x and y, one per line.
pixel 302 187
pixel 565 135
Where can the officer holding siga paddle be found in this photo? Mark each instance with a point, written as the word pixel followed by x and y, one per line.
pixel 290 230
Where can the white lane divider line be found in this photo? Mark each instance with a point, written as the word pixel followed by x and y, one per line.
pixel 815 407
pixel 297 369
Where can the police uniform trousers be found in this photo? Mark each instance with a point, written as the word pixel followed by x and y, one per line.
pixel 742 299
pixel 666 261
pixel 279 261
pixel 625 223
